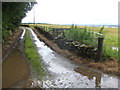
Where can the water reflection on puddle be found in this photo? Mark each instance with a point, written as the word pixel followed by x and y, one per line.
pixel 14 67
pixel 62 74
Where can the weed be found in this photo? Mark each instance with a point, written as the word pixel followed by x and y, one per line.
pixel 85 36
pixel 110 53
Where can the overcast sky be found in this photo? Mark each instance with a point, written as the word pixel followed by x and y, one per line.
pixel 74 12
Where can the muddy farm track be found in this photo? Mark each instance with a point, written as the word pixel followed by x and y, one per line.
pixel 61 70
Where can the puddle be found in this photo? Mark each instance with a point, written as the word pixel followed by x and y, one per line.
pixel 62 74
pixel 14 68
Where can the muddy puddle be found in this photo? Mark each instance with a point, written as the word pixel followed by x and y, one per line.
pixel 14 68
pixel 62 73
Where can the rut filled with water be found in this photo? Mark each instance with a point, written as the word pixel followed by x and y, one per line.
pixel 14 67
pixel 61 72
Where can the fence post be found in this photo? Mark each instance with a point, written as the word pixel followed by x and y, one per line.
pixel 63 34
pixel 100 49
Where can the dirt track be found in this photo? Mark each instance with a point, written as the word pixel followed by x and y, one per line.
pixel 14 66
pixel 14 72
pixel 109 67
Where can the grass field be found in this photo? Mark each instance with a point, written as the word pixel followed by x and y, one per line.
pixel 110 37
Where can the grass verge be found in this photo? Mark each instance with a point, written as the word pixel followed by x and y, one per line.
pixel 33 55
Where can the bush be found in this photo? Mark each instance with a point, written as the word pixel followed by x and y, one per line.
pixel 5 34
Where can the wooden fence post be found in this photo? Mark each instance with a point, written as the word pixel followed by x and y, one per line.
pixel 100 49
pixel 63 34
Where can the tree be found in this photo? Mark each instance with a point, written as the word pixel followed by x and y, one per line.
pixel 12 14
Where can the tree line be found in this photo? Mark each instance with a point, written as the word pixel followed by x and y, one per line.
pixel 12 14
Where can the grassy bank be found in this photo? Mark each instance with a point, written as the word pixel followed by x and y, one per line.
pixel 86 37
pixel 33 55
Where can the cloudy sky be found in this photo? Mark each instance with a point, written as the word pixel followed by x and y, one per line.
pixel 74 12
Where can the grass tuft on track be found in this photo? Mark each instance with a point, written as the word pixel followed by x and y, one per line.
pixel 32 55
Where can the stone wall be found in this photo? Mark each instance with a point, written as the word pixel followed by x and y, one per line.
pixel 77 47
pixel 74 46
pixel 46 34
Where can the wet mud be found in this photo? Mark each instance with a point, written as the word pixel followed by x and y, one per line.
pixel 14 69
pixel 14 66
pixel 64 73
pixel 108 66
pixel 61 72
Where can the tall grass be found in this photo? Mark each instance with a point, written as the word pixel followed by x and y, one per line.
pixel 110 53
pixel 109 44
pixel 33 55
pixel 84 36
pixel 88 37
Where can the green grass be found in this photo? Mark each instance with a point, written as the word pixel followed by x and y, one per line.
pixel 110 37
pixel 110 40
pixel 84 36
pixel 33 55
pixel 110 53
